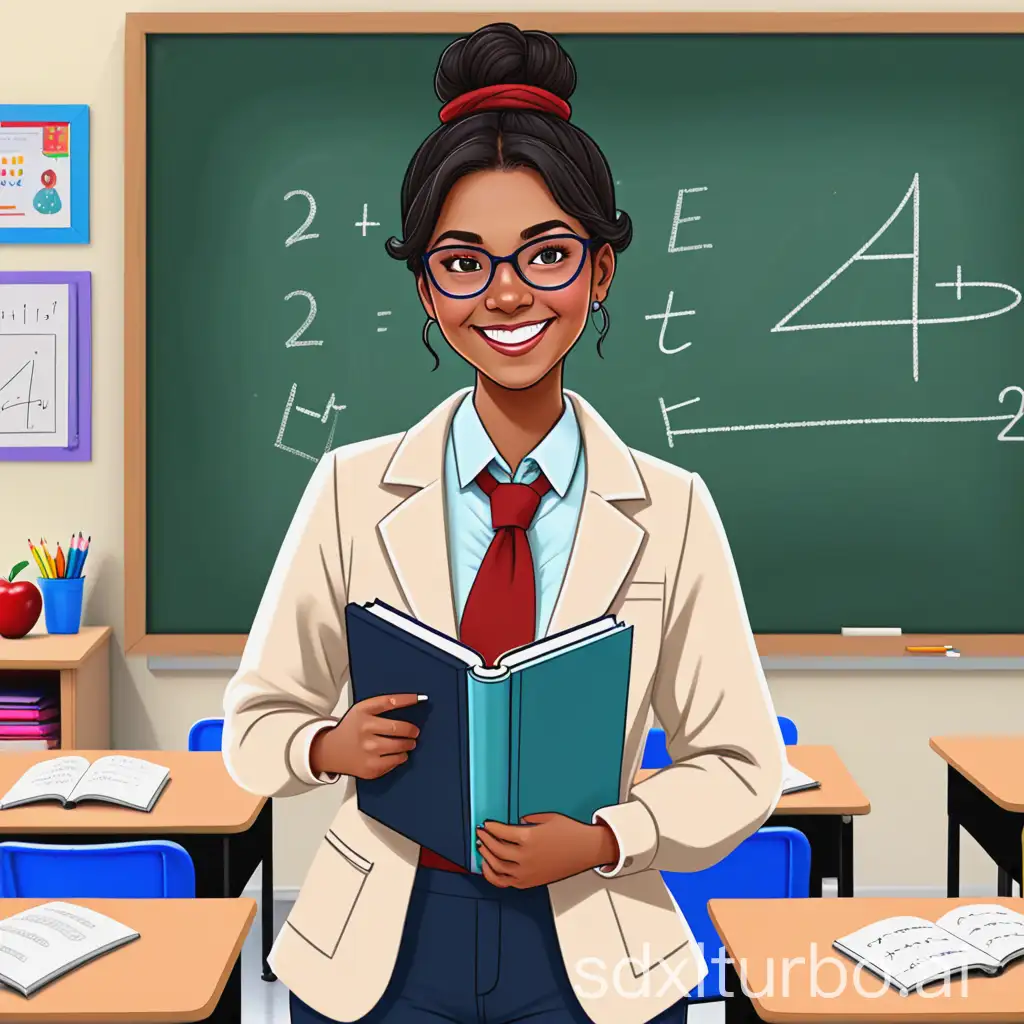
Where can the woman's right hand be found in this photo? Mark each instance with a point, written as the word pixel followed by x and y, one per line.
pixel 363 743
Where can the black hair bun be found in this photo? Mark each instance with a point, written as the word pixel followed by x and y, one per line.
pixel 502 54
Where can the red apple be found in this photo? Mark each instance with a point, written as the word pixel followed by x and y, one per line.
pixel 20 605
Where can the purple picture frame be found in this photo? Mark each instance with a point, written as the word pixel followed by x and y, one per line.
pixel 79 447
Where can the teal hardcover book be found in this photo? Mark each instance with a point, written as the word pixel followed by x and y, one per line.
pixel 542 730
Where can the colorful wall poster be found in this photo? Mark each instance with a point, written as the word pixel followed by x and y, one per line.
pixel 44 173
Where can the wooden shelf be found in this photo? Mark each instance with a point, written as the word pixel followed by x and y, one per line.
pixel 80 667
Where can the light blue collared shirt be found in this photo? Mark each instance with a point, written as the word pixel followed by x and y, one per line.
pixel 559 456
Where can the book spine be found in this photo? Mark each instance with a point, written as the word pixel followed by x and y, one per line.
pixel 515 745
pixel 488 710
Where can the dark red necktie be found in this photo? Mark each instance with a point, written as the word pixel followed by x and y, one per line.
pixel 501 610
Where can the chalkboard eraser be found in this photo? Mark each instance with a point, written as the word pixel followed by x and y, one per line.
pixel 872 631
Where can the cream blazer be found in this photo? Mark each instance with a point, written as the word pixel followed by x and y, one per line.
pixel 650 548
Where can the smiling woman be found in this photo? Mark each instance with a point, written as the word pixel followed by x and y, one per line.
pixel 511 512
pixel 497 299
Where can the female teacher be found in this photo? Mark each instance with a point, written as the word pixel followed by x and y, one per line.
pixel 510 512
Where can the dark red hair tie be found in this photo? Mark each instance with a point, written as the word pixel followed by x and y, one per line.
pixel 506 97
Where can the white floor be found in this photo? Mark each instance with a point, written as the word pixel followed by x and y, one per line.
pixel 267 1002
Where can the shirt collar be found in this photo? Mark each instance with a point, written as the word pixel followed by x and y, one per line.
pixel 556 455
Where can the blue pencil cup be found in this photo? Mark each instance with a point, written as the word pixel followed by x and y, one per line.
pixel 62 603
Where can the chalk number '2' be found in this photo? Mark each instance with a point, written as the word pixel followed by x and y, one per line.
pixel 300 235
pixel 297 235
pixel 1003 434
pixel 297 340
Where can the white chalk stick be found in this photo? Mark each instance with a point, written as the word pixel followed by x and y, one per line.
pixel 872 631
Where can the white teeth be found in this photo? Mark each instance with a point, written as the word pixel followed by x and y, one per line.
pixel 519 336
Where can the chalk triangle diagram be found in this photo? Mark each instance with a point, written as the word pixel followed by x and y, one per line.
pixel 913 196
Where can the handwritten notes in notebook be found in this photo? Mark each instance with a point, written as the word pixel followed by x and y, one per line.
pixel 911 952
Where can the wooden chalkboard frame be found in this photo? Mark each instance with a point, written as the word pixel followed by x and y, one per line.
pixel 997 650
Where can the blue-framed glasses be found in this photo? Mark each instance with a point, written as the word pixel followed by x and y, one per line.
pixel 546 263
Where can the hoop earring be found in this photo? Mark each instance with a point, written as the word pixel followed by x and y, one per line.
pixel 606 322
pixel 426 341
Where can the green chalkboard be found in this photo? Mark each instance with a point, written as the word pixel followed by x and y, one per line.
pixel 790 153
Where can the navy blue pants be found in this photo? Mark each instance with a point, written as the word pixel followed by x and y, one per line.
pixel 473 953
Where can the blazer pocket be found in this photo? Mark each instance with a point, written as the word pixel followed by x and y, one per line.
pixel 329 894
pixel 648 924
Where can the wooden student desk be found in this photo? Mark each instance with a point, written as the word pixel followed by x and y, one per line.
pixel 761 935
pixel 985 796
pixel 825 815
pixel 183 966
pixel 227 831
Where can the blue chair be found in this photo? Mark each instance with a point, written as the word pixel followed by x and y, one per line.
pixel 656 752
pixel 152 869
pixel 206 734
pixel 772 863
pixel 787 726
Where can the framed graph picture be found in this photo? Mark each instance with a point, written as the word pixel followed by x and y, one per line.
pixel 44 173
pixel 45 366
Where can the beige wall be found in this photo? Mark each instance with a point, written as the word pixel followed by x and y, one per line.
pixel 71 51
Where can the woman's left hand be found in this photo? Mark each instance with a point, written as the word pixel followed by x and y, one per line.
pixel 546 848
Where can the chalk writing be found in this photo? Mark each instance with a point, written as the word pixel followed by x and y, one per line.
pixel 297 235
pixel 914 321
pixel 664 318
pixel 366 222
pixel 859 422
pixel 678 219
pixel 296 340
pixel 291 407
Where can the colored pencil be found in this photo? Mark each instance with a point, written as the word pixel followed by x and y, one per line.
pixel 39 559
pixel 61 564
pixel 49 559
pixel 72 557
pixel 85 555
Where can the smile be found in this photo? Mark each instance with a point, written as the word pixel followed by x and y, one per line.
pixel 515 341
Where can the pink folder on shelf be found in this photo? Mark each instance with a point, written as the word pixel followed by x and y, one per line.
pixel 30 731
pixel 14 716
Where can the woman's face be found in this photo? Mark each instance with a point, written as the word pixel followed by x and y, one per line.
pixel 512 332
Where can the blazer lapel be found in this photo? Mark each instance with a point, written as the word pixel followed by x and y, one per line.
pixel 607 540
pixel 414 534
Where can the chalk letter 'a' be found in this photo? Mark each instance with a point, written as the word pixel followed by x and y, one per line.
pixel 914 192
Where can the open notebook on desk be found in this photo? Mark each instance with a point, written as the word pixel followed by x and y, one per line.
pixel 114 779
pixel 44 943
pixel 911 952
